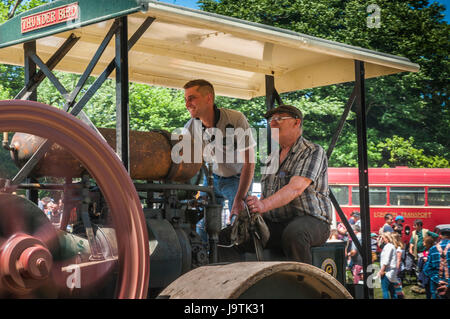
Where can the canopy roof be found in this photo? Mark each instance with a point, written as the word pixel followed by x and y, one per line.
pixel 184 44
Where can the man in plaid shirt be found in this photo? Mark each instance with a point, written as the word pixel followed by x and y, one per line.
pixel 437 267
pixel 295 200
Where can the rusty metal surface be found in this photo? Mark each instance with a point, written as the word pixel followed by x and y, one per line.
pixel 256 280
pixel 27 241
pixel 150 157
pixel 25 263
pixel 56 162
pixel 104 166
pixel 165 252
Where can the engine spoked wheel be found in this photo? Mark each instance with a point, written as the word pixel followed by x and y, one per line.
pixel 26 255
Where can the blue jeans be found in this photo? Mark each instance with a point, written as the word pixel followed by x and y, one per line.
pixel 388 288
pixel 225 188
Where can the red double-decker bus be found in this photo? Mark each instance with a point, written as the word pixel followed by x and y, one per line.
pixel 414 193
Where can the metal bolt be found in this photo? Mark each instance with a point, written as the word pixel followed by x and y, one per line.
pixel 41 265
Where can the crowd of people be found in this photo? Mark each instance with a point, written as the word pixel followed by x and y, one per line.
pixel 425 256
pixel 52 209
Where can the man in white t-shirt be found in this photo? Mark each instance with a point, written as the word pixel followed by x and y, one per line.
pixel 227 142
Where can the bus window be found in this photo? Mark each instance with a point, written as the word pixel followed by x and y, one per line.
pixel 341 194
pixel 404 196
pixel 377 195
pixel 439 196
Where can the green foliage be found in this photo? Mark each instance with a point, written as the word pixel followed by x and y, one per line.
pixel 156 108
pixel 397 151
pixel 4 93
pixel 6 7
pixel 12 79
pixel 253 109
pixel 409 105
pixel 7 167
pixel 150 107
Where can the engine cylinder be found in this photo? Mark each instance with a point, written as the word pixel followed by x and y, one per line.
pixel 150 157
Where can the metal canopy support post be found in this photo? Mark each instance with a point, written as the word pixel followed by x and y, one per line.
pixel 363 172
pixel 31 85
pixel 62 90
pixel 29 48
pixel 48 73
pixel 271 92
pixel 271 96
pixel 108 70
pixel 32 81
pixel 346 223
pixel 122 94
pixel 91 66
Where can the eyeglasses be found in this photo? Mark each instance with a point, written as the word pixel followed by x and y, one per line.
pixel 279 119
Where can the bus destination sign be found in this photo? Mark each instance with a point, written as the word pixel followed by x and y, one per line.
pixel 50 17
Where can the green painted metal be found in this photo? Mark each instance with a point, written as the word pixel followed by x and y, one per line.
pixel 90 12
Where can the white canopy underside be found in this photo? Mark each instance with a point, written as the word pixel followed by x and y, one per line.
pixel 234 55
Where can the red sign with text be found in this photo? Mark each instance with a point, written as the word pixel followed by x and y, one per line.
pixel 50 17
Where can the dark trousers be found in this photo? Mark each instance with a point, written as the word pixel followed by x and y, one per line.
pixel 293 239
pixel 296 237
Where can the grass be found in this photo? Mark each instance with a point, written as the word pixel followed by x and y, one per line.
pixel 408 284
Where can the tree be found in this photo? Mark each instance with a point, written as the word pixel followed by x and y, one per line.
pixel 150 107
pixel 398 151
pixel 413 104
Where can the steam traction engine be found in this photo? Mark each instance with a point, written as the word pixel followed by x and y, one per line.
pixel 130 232
pixel 127 227
pixel 117 237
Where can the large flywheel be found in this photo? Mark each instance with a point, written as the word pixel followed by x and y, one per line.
pixel 26 251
